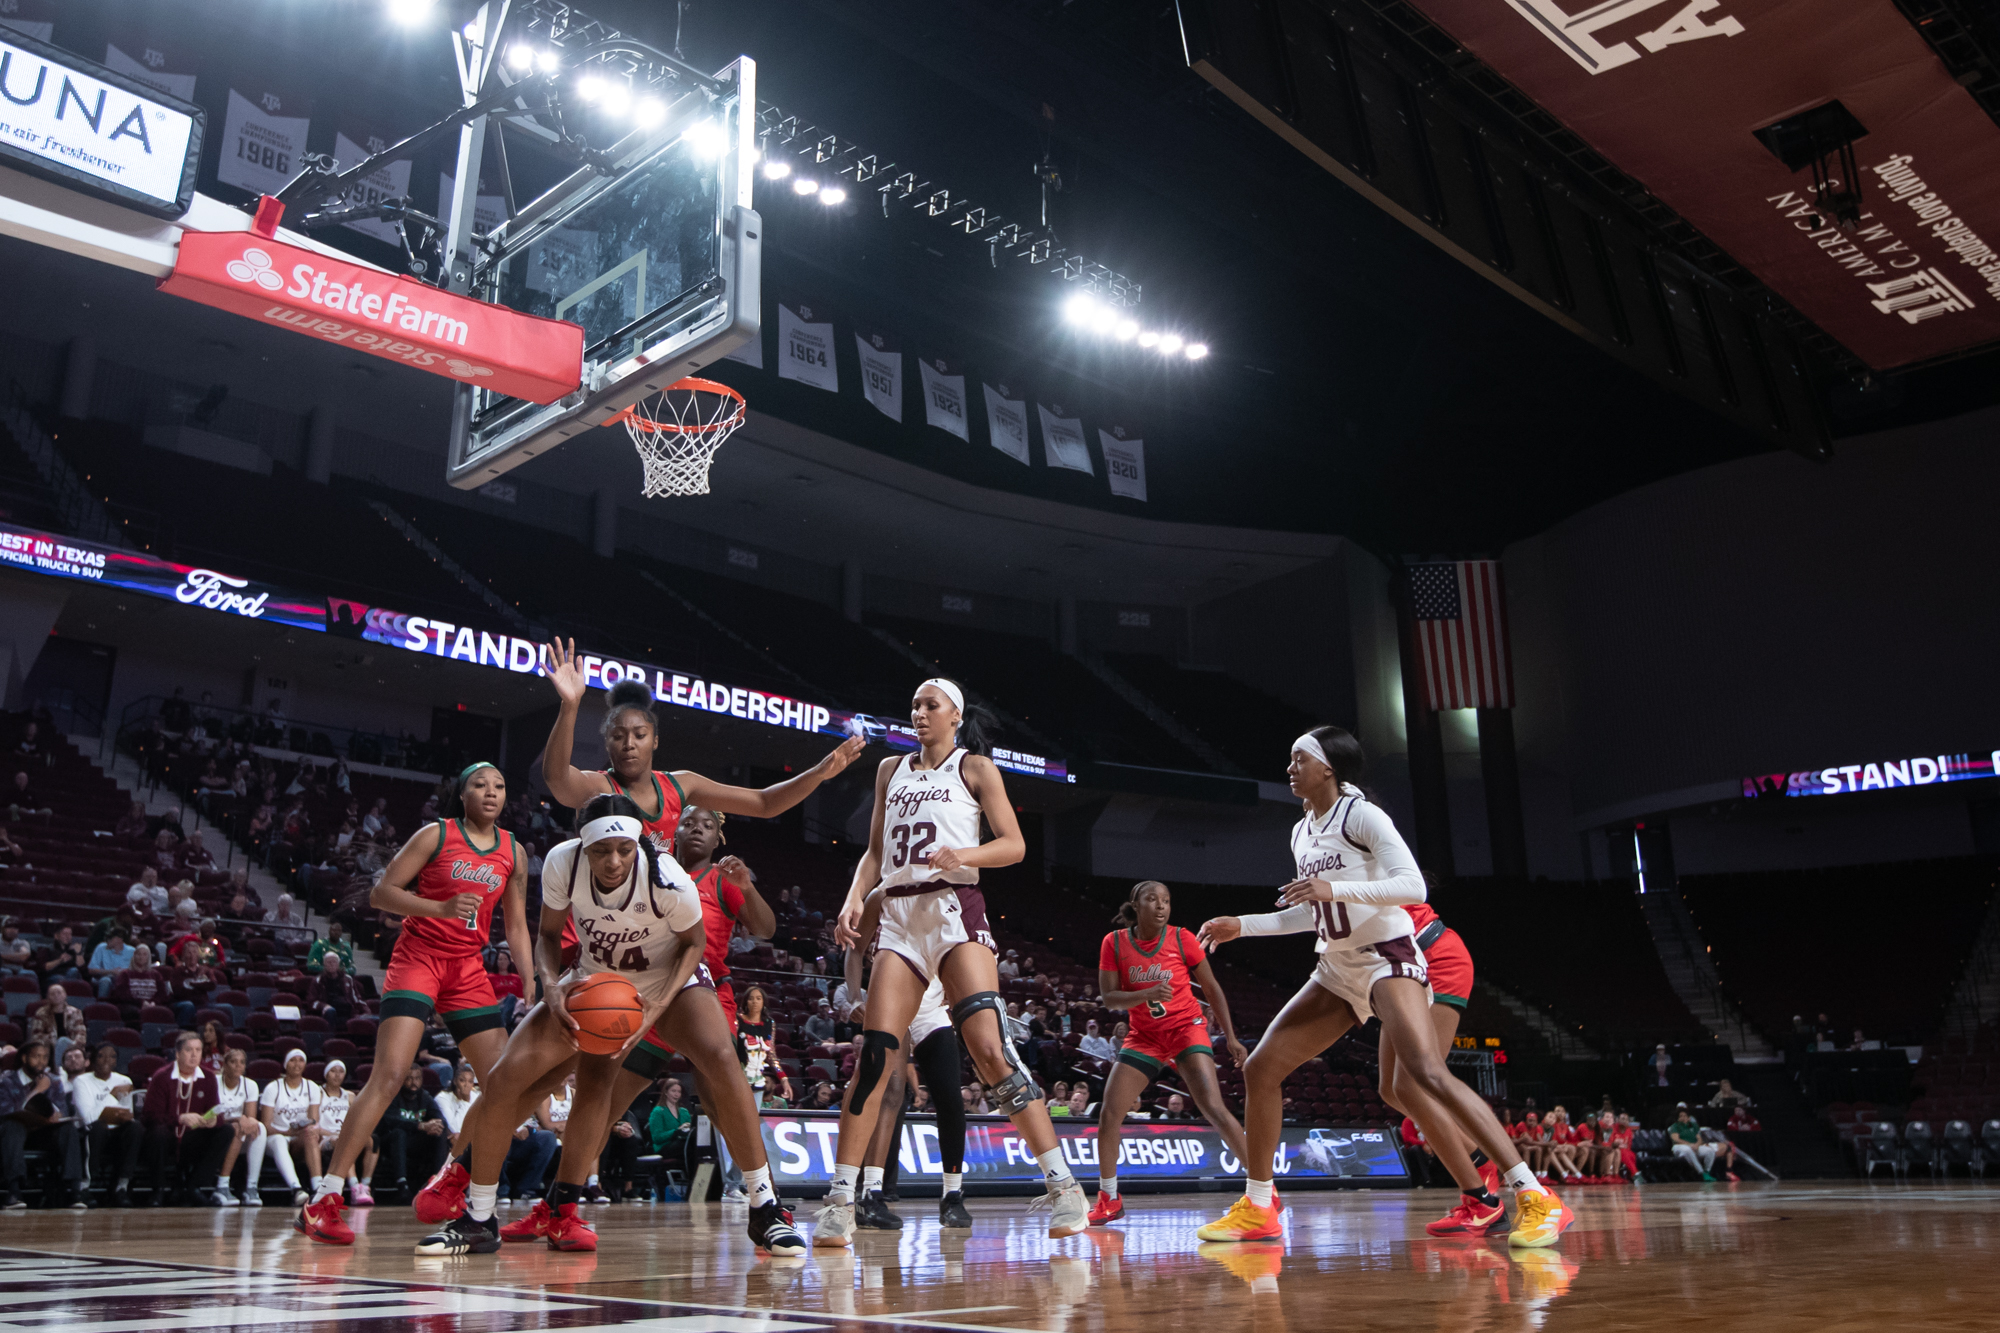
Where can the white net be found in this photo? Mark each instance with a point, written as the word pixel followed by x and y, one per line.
pixel 677 432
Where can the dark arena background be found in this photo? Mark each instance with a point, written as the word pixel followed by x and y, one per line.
pixel 1594 409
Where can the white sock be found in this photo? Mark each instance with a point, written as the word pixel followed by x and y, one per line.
pixel 353 1179
pixel 479 1200
pixel 1259 1192
pixel 1522 1177
pixel 328 1186
pixel 1108 1184
pixel 222 1182
pixel 757 1184
pixel 592 1182
pixel 1052 1164
pixel 842 1189
pixel 954 1182
pixel 871 1179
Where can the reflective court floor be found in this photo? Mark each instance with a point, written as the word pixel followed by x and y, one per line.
pixel 1821 1256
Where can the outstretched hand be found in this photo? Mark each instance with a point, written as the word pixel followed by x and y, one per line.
pixel 563 671
pixel 840 757
pixel 1218 931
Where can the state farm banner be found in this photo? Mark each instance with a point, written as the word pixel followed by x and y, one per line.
pixel 1671 90
pixel 383 314
pixel 148 576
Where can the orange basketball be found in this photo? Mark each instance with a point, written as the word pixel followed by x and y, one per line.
pixel 606 1009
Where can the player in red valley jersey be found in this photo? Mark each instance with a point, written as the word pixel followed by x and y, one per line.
pixel 1148 967
pixel 445 884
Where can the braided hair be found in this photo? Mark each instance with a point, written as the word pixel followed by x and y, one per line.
pixel 604 805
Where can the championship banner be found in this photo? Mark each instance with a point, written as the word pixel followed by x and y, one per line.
pixel 805 347
pixel 394 317
pixel 390 182
pixel 261 143
pixel 156 65
pixel 881 372
pixel 800 1145
pixel 32 18
pixel 1007 422
pixel 1124 462
pixel 149 576
pixel 1882 775
pixel 488 210
pixel 1675 93
pixel 944 396
pixel 1062 439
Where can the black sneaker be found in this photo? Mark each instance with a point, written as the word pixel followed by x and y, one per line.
pixel 462 1235
pixel 875 1215
pixel 595 1194
pixel 951 1211
pixel 771 1231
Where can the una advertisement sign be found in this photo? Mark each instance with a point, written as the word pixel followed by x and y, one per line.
pixel 94 129
pixel 1918 771
pixel 148 576
pixel 677 689
pixel 383 314
pixel 801 1144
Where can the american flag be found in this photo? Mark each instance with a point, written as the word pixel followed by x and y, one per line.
pixel 1461 615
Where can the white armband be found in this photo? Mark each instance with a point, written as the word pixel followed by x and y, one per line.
pixel 1288 922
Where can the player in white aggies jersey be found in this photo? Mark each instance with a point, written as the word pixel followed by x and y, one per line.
pixel 925 854
pixel 1354 876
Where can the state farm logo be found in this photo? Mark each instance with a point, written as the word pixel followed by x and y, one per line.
pixel 255 266
pixel 465 370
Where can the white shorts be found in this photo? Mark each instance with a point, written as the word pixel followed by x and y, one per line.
pixel 1352 973
pixel 922 928
pixel 932 1015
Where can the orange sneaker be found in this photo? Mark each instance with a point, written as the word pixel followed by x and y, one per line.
pixel 1470 1218
pixel 1245 1221
pixel 444 1198
pixel 567 1231
pixel 321 1221
pixel 1108 1208
pixel 535 1226
pixel 1540 1218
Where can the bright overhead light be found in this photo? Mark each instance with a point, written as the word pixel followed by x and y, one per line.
pixel 617 98
pixel 805 185
pixel 548 62
pixel 1170 343
pixel 1127 330
pixel 1195 351
pixel 1080 309
pixel 776 170
pixel 520 55
pixel 409 13
pixel 707 139
pixel 651 111
pixel 1148 338
pixel 470 31
pixel 1103 319
pixel 590 88
pixel 833 194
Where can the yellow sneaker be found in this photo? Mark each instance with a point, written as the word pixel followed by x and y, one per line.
pixel 1540 1220
pixel 1244 1221
pixel 1258 1263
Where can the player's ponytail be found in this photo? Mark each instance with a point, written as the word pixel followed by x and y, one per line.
pixel 628 694
pixel 1343 753
pixel 1128 911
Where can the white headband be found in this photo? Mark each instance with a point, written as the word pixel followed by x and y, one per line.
pixel 948 690
pixel 332 1065
pixel 611 826
pixel 294 1051
pixel 1310 744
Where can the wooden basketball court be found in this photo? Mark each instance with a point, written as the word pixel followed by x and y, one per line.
pixel 1821 1256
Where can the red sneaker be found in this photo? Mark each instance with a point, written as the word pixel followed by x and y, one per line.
pixel 535 1226
pixel 444 1198
pixel 1108 1208
pixel 567 1231
pixel 1489 1176
pixel 321 1221
pixel 1470 1218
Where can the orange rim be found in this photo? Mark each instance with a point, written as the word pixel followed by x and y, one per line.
pixel 631 416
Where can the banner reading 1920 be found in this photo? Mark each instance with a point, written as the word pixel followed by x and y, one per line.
pixel 801 1144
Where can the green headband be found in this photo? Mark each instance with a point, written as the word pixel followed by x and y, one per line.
pixel 470 769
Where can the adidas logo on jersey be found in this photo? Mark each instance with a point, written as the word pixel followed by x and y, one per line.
pixel 478 872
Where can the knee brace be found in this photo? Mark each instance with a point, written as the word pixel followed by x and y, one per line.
pixel 1017 1091
pixel 875 1048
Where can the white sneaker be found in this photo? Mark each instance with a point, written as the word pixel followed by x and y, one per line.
pixel 300 1198
pixel 735 1195
pixel 1069 1210
pixel 254 1198
pixel 833 1226
pixel 223 1197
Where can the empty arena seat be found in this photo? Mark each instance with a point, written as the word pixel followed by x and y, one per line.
pixel 129 1045
pixel 100 1018
pixel 1920 1145
pixel 314 1032
pixel 338 1048
pixel 240 1041
pixel 1879 1147
pixel 235 1002
pixel 155 1023
pixel 265 1071
pixel 23 994
pixel 144 1067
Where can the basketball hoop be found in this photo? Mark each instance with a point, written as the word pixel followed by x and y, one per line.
pixel 678 431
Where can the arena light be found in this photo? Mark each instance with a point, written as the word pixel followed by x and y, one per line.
pixel 805 185
pixel 548 62
pixel 409 13
pixel 832 194
pixel 1195 351
pixel 651 111
pixel 1148 338
pixel 1170 343
pixel 707 139
pixel 617 98
pixel 1080 309
pixel 520 56
pixel 776 170
pixel 1103 319
pixel 1126 331
pixel 590 87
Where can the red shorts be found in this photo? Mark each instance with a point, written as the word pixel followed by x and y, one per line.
pixel 1450 966
pixel 1152 1051
pixel 654 1044
pixel 458 989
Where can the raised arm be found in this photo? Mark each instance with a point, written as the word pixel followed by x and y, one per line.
pixel 766 802
pixel 1399 884
pixel 567 783
pixel 1006 846
pixel 1222 929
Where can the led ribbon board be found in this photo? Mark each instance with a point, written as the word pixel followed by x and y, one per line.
pixel 1883 775
pixel 148 576
pixel 93 129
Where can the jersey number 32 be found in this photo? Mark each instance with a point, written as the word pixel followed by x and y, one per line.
pixel 912 844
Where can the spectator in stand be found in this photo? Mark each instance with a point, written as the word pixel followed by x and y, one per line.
pixel 1615 1134
pixel 335 941
pixel 1684 1135
pixel 236 1107
pixel 819 1028
pixel 132 824
pixel 66 959
pixel 1177 1108
pixel 1079 1100
pixel 528 1157
pixel 208 944
pixel 11 852
pixel 1096 1045
pixel 1118 1036
pixel 331 994
pixel 975 1100
pixel 1009 969
pixel 23 801
pixel 289 1108
pixel 183 1144
pixel 920 1102
pixel 1563 1162
pixel 16 954
pixel 144 983
pixel 103 1100
pixel 377 819
pixel 108 959
pixel 239 886
pixel 196 858
pixel 619 1158
pixel 1531 1140
pixel 822 1097
pixel 182 910
pixel 455 1101
pixel 288 922
pixel 35 1112
pixel 1059 1101
pixel 148 892
pixel 57 1023
pixel 412 1136
pixel 31 746
pixel 1742 1122
pixel 1725 1095
pixel 1661 1063
pixel 1861 1043
pixel 166 851
pixel 190 974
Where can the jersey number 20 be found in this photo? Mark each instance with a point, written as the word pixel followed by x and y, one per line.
pixel 633 960
pixel 910 852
